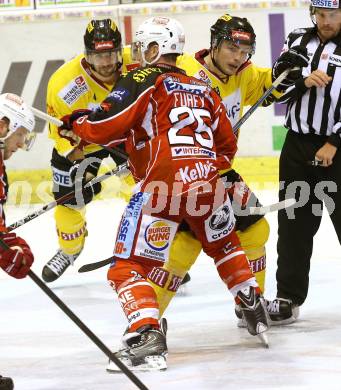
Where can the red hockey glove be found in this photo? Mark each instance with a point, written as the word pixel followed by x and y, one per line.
pixel 18 258
pixel 65 130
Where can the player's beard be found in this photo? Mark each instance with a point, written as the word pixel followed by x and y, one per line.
pixel 106 71
pixel 327 32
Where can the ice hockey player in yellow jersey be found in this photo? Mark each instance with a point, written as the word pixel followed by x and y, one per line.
pixel 226 66
pixel 83 82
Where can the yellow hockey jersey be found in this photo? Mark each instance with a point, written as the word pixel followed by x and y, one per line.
pixel 73 86
pixel 242 89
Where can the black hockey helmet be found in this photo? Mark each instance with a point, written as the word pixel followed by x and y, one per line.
pixel 234 29
pixel 101 35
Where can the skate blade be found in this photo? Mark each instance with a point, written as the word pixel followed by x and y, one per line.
pixel 264 339
pixel 152 363
pixel 287 321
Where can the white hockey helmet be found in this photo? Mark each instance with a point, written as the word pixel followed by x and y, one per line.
pixel 329 4
pixel 324 4
pixel 15 109
pixel 166 32
pixel 19 115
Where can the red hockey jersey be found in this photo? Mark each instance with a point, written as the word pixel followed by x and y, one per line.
pixel 177 127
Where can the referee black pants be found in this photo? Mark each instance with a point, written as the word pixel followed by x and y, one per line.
pixel 311 186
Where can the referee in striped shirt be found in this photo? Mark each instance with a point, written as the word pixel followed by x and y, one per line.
pixel 310 156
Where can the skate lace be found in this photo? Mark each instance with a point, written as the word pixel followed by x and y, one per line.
pixel 273 307
pixel 134 345
pixel 60 261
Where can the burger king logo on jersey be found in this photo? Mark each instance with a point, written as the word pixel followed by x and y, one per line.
pixel 155 238
pixel 157 235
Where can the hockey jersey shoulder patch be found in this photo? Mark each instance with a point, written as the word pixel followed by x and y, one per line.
pixel 203 76
pixel 74 90
pixel 119 94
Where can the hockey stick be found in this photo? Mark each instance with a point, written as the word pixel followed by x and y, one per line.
pixel 48 118
pixel 70 195
pixel 92 266
pixel 259 210
pixel 83 327
pixel 253 108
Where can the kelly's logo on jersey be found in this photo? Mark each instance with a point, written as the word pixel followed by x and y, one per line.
pixel 200 172
pixel 74 90
pixel 171 86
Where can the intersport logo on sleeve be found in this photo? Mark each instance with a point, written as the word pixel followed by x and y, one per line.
pixel 180 151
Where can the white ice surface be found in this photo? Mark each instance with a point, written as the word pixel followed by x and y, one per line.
pixel 43 350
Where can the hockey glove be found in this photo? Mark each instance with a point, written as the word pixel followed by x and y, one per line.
pixel 241 197
pixel 65 130
pixel 297 56
pixel 18 258
pixel 237 189
pixel 81 173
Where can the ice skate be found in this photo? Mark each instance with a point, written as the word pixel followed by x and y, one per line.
pixel 57 265
pixel 241 323
pixel 146 350
pixel 282 311
pixel 253 309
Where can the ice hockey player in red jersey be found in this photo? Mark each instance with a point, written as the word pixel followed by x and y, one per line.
pixel 17 120
pixel 180 137
pixel 17 125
